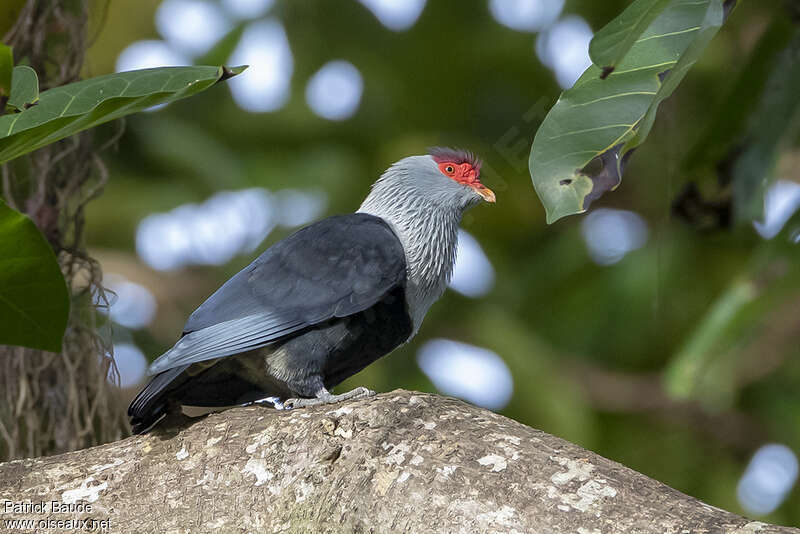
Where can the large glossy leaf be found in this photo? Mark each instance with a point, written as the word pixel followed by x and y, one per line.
pixel 34 301
pixel 68 109
pixel 580 149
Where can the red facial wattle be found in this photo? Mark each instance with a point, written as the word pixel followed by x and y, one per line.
pixel 466 174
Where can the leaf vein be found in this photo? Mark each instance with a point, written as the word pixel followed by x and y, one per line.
pixel 562 156
pixel 13 122
pixel 668 34
pixel 598 128
pixel 71 100
pixel 609 97
pixel 646 67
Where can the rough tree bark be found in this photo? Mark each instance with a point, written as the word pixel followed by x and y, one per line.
pixel 398 462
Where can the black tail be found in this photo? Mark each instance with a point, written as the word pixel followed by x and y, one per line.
pixel 150 405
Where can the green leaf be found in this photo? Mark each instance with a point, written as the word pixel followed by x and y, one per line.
pixel 689 374
pixel 34 300
pixel 581 147
pixel 773 125
pixel 6 65
pixel 613 42
pixel 71 108
pixel 24 88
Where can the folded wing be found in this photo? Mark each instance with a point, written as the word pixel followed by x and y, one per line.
pixel 334 268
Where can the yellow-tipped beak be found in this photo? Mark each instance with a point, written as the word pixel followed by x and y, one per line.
pixel 485 192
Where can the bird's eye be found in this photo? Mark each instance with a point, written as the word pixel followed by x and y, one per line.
pixel 449 169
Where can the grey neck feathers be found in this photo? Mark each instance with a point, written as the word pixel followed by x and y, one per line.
pixel 426 222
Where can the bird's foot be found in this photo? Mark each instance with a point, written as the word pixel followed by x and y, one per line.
pixel 325 397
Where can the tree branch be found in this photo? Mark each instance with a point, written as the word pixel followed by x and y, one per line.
pixel 398 462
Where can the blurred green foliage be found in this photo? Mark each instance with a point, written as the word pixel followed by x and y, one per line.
pixel 589 346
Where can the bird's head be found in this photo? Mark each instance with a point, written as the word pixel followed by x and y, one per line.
pixel 464 169
pixel 445 177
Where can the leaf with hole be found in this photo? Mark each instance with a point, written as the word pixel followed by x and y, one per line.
pixel 71 108
pixel 34 301
pixel 580 149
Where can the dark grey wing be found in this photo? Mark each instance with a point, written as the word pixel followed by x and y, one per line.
pixel 336 267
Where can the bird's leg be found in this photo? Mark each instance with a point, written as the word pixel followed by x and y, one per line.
pixel 323 396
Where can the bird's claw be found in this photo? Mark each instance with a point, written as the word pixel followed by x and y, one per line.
pixel 327 398
pixel 291 404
